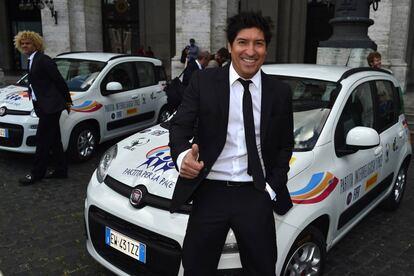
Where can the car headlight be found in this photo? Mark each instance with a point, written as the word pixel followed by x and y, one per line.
pixel 33 114
pixel 105 162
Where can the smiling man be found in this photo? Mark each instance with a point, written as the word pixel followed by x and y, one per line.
pixel 235 171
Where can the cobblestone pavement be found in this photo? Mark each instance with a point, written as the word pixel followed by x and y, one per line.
pixel 41 228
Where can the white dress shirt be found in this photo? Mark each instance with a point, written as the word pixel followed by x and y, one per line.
pixel 231 165
pixel 30 68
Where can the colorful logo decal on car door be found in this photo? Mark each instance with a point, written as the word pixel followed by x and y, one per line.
pixel 87 106
pixel 318 188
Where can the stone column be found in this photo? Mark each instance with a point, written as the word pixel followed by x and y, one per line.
pixel 56 36
pixel 390 32
pixel 193 20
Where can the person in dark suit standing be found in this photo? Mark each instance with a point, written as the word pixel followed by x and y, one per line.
pixel 50 96
pixel 235 168
pixel 194 65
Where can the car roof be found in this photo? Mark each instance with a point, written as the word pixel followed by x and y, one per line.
pixel 309 71
pixel 105 57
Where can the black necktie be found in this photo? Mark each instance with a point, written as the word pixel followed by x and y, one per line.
pixel 254 165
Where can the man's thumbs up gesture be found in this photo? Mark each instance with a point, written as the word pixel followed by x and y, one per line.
pixel 190 166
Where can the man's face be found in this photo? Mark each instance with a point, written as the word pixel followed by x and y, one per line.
pixel 27 46
pixel 248 52
pixel 376 63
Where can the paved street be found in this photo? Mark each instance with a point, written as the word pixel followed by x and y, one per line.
pixel 41 228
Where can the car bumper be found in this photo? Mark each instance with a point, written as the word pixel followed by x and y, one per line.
pixel 162 232
pixel 21 133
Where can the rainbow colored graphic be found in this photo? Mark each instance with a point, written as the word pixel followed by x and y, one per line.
pixel 159 159
pixel 87 106
pixel 319 187
pixel 24 94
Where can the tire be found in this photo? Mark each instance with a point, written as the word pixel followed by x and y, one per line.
pixel 393 200
pixel 83 142
pixel 307 256
pixel 164 114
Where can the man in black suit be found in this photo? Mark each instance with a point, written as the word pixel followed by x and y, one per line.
pixel 50 96
pixel 194 65
pixel 235 168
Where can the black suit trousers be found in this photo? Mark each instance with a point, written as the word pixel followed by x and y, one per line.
pixel 48 140
pixel 216 209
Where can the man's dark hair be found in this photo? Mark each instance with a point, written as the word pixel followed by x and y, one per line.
pixel 247 20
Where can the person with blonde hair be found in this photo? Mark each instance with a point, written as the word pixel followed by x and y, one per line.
pixel 50 96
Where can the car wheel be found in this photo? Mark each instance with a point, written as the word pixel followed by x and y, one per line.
pixel 393 200
pixel 83 142
pixel 307 255
pixel 165 113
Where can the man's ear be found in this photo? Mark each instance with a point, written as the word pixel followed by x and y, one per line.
pixel 229 47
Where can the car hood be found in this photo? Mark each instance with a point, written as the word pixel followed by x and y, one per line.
pixel 17 98
pixel 144 158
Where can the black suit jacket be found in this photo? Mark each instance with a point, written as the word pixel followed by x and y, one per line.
pixel 206 99
pixel 50 88
pixel 192 66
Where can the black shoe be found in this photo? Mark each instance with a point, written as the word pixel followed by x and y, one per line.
pixel 28 179
pixel 55 174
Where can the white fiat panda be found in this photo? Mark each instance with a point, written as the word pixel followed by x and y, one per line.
pixel 112 94
pixel 351 153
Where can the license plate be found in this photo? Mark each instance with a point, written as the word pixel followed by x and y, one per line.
pixel 4 132
pixel 126 245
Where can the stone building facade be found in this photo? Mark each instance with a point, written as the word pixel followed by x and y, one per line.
pixel 167 25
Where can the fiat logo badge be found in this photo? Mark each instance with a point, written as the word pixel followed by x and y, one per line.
pixel 2 111
pixel 136 197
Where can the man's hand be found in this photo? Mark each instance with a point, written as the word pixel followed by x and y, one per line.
pixel 190 166
pixel 68 106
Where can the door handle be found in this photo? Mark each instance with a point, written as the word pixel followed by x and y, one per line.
pixel 378 151
pixel 135 97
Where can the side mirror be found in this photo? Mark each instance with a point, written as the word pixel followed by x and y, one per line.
pixel 112 87
pixel 362 138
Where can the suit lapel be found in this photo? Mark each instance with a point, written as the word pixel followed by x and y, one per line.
pixel 266 106
pixel 222 89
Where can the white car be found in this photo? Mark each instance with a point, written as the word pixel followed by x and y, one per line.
pixel 352 151
pixel 112 94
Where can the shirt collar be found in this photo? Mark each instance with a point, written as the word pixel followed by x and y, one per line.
pixel 32 55
pixel 233 77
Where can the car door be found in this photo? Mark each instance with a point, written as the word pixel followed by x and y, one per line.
pixel 150 89
pixel 359 170
pixel 122 107
pixel 392 133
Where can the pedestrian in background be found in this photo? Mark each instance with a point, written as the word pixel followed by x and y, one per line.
pixel 220 57
pixel 194 65
pixel 235 173
pixel 192 51
pixel 50 96
pixel 374 60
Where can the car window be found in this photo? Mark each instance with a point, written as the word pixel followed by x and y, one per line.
pixel 160 74
pixel 79 74
pixel 358 111
pixel 386 109
pixel 146 73
pixel 312 102
pixel 123 73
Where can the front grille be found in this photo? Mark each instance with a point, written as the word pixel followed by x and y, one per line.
pixel 148 199
pixel 163 255
pixel 15 135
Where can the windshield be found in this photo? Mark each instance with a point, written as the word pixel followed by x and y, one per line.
pixel 79 74
pixel 312 102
